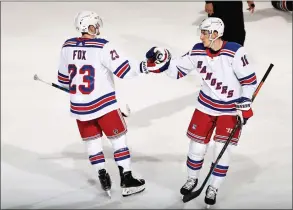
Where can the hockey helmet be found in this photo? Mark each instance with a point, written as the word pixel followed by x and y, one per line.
pixel 85 19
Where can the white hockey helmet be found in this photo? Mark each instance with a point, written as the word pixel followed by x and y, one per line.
pixel 211 25
pixel 85 19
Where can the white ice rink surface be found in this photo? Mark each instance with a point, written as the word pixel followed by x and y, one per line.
pixel 43 161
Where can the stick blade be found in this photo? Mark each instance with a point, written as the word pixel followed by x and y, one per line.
pixel 128 109
pixel 36 77
pixel 191 196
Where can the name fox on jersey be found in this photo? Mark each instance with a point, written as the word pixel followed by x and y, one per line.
pixel 79 54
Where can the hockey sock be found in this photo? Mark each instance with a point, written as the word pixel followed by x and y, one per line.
pixel 95 152
pixel 121 152
pixel 222 167
pixel 195 158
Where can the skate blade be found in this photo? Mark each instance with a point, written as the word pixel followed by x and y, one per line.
pixel 208 206
pixel 109 193
pixel 132 190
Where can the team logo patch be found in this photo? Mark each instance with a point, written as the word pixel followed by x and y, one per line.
pixel 194 126
pixel 115 131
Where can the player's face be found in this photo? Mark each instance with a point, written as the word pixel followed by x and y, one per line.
pixel 95 29
pixel 205 38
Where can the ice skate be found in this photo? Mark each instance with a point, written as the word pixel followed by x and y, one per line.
pixel 211 194
pixel 105 181
pixel 129 184
pixel 188 186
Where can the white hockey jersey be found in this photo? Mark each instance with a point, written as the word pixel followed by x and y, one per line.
pixel 227 76
pixel 86 68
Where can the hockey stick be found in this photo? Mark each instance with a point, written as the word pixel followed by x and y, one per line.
pixel 51 84
pixel 196 193
pixel 37 78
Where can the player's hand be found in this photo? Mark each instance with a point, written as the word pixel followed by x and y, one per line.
pixel 209 8
pixel 158 55
pixel 251 6
pixel 158 59
pixel 144 66
pixel 244 111
pixel 150 66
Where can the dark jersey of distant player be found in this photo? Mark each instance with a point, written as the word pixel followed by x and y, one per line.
pixel 283 5
pixel 231 13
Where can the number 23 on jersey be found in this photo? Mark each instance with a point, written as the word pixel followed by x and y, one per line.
pixel 87 72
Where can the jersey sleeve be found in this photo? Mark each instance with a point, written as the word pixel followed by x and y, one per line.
pixel 120 65
pixel 63 76
pixel 245 73
pixel 181 66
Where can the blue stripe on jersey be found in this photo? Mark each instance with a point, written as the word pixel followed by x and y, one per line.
pixel 247 77
pixel 63 75
pixel 87 43
pixel 180 73
pixel 94 106
pixel 192 54
pixel 104 41
pixel 62 78
pixel 123 69
pixel 84 46
pixel 127 70
pixel 216 104
pixel 233 46
pixel 75 39
pixel 96 109
pixel 222 53
pixel 216 109
pixel 198 49
pixel 95 101
pixel 217 101
pixel 198 46
pixel 63 82
pixel 248 80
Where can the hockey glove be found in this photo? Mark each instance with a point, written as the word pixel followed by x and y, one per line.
pixel 148 66
pixel 158 59
pixel 244 110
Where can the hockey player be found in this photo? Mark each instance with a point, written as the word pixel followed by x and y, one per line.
pixel 228 83
pixel 86 68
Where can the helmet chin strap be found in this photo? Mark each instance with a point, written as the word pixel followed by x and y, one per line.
pixel 212 40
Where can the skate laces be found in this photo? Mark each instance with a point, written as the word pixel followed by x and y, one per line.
pixel 211 193
pixel 190 183
pixel 131 176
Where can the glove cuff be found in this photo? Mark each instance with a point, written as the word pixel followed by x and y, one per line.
pixel 243 104
pixel 143 67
